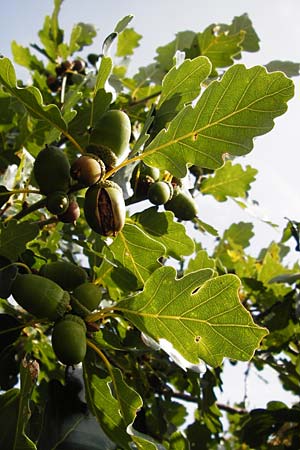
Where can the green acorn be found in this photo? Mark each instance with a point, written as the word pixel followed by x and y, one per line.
pixel 104 208
pixel 182 205
pixel 89 295
pixel 142 178
pixel 52 170
pixel 113 131
pixel 40 296
pixel 160 192
pixel 67 275
pixel 69 340
pixel 57 202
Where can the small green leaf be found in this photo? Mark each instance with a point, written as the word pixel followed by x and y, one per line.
pixel 229 180
pixel 162 227
pixel 23 57
pixel 229 114
pixel 14 237
pixel 30 97
pixel 291 69
pixel 122 24
pixel 201 261
pixel 239 233
pixel 220 48
pixel 251 40
pixel 137 251
pixel 202 317
pixel 128 40
pixel 82 35
pixel 103 74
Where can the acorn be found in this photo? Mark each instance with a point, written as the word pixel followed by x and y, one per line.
pixel 113 131
pixel 78 65
pixel 89 295
pixel 66 274
pixel 57 202
pixel 52 170
pixel 182 205
pixel 88 169
pixel 69 340
pixel 107 156
pixel 142 178
pixel 160 192
pixel 40 296
pixel 104 208
pixel 72 213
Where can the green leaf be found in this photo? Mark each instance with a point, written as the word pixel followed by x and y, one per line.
pixel 51 35
pixel 122 24
pixel 291 69
pixel 128 40
pixel 14 237
pixel 29 373
pixel 165 54
pixel 239 233
pixel 137 251
pixel 112 401
pixel 201 261
pixel 202 317
pixel 180 86
pixel 23 57
pixel 82 35
pixel 30 97
pixel 250 42
pixel 162 227
pixel 229 114
pixel 103 73
pixel 229 180
pixel 220 48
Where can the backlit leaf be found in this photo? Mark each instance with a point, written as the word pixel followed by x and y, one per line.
pixel 128 40
pixel 220 48
pixel 180 86
pixel 137 251
pixel 162 227
pixel 228 115
pixel 230 180
pixel 202 317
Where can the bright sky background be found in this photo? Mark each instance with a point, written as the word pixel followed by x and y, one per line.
pixel 275 155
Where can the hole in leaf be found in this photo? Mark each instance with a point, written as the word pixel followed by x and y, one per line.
pixel 195 290
pixel 195 137
pixel 197 339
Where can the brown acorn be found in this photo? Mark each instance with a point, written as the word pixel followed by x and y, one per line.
pixel 104 208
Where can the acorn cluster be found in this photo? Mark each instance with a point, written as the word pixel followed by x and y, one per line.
pixel 104 205
pixel 148 184
pixel 65 69
pixel 60 293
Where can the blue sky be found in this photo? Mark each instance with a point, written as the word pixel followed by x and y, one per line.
pixel 275 155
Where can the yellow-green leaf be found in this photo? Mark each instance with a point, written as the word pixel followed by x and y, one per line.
pixel 202 317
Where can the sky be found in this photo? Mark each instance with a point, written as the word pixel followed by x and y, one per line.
pixel 275 155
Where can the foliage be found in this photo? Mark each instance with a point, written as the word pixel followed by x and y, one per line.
pixel 169 311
